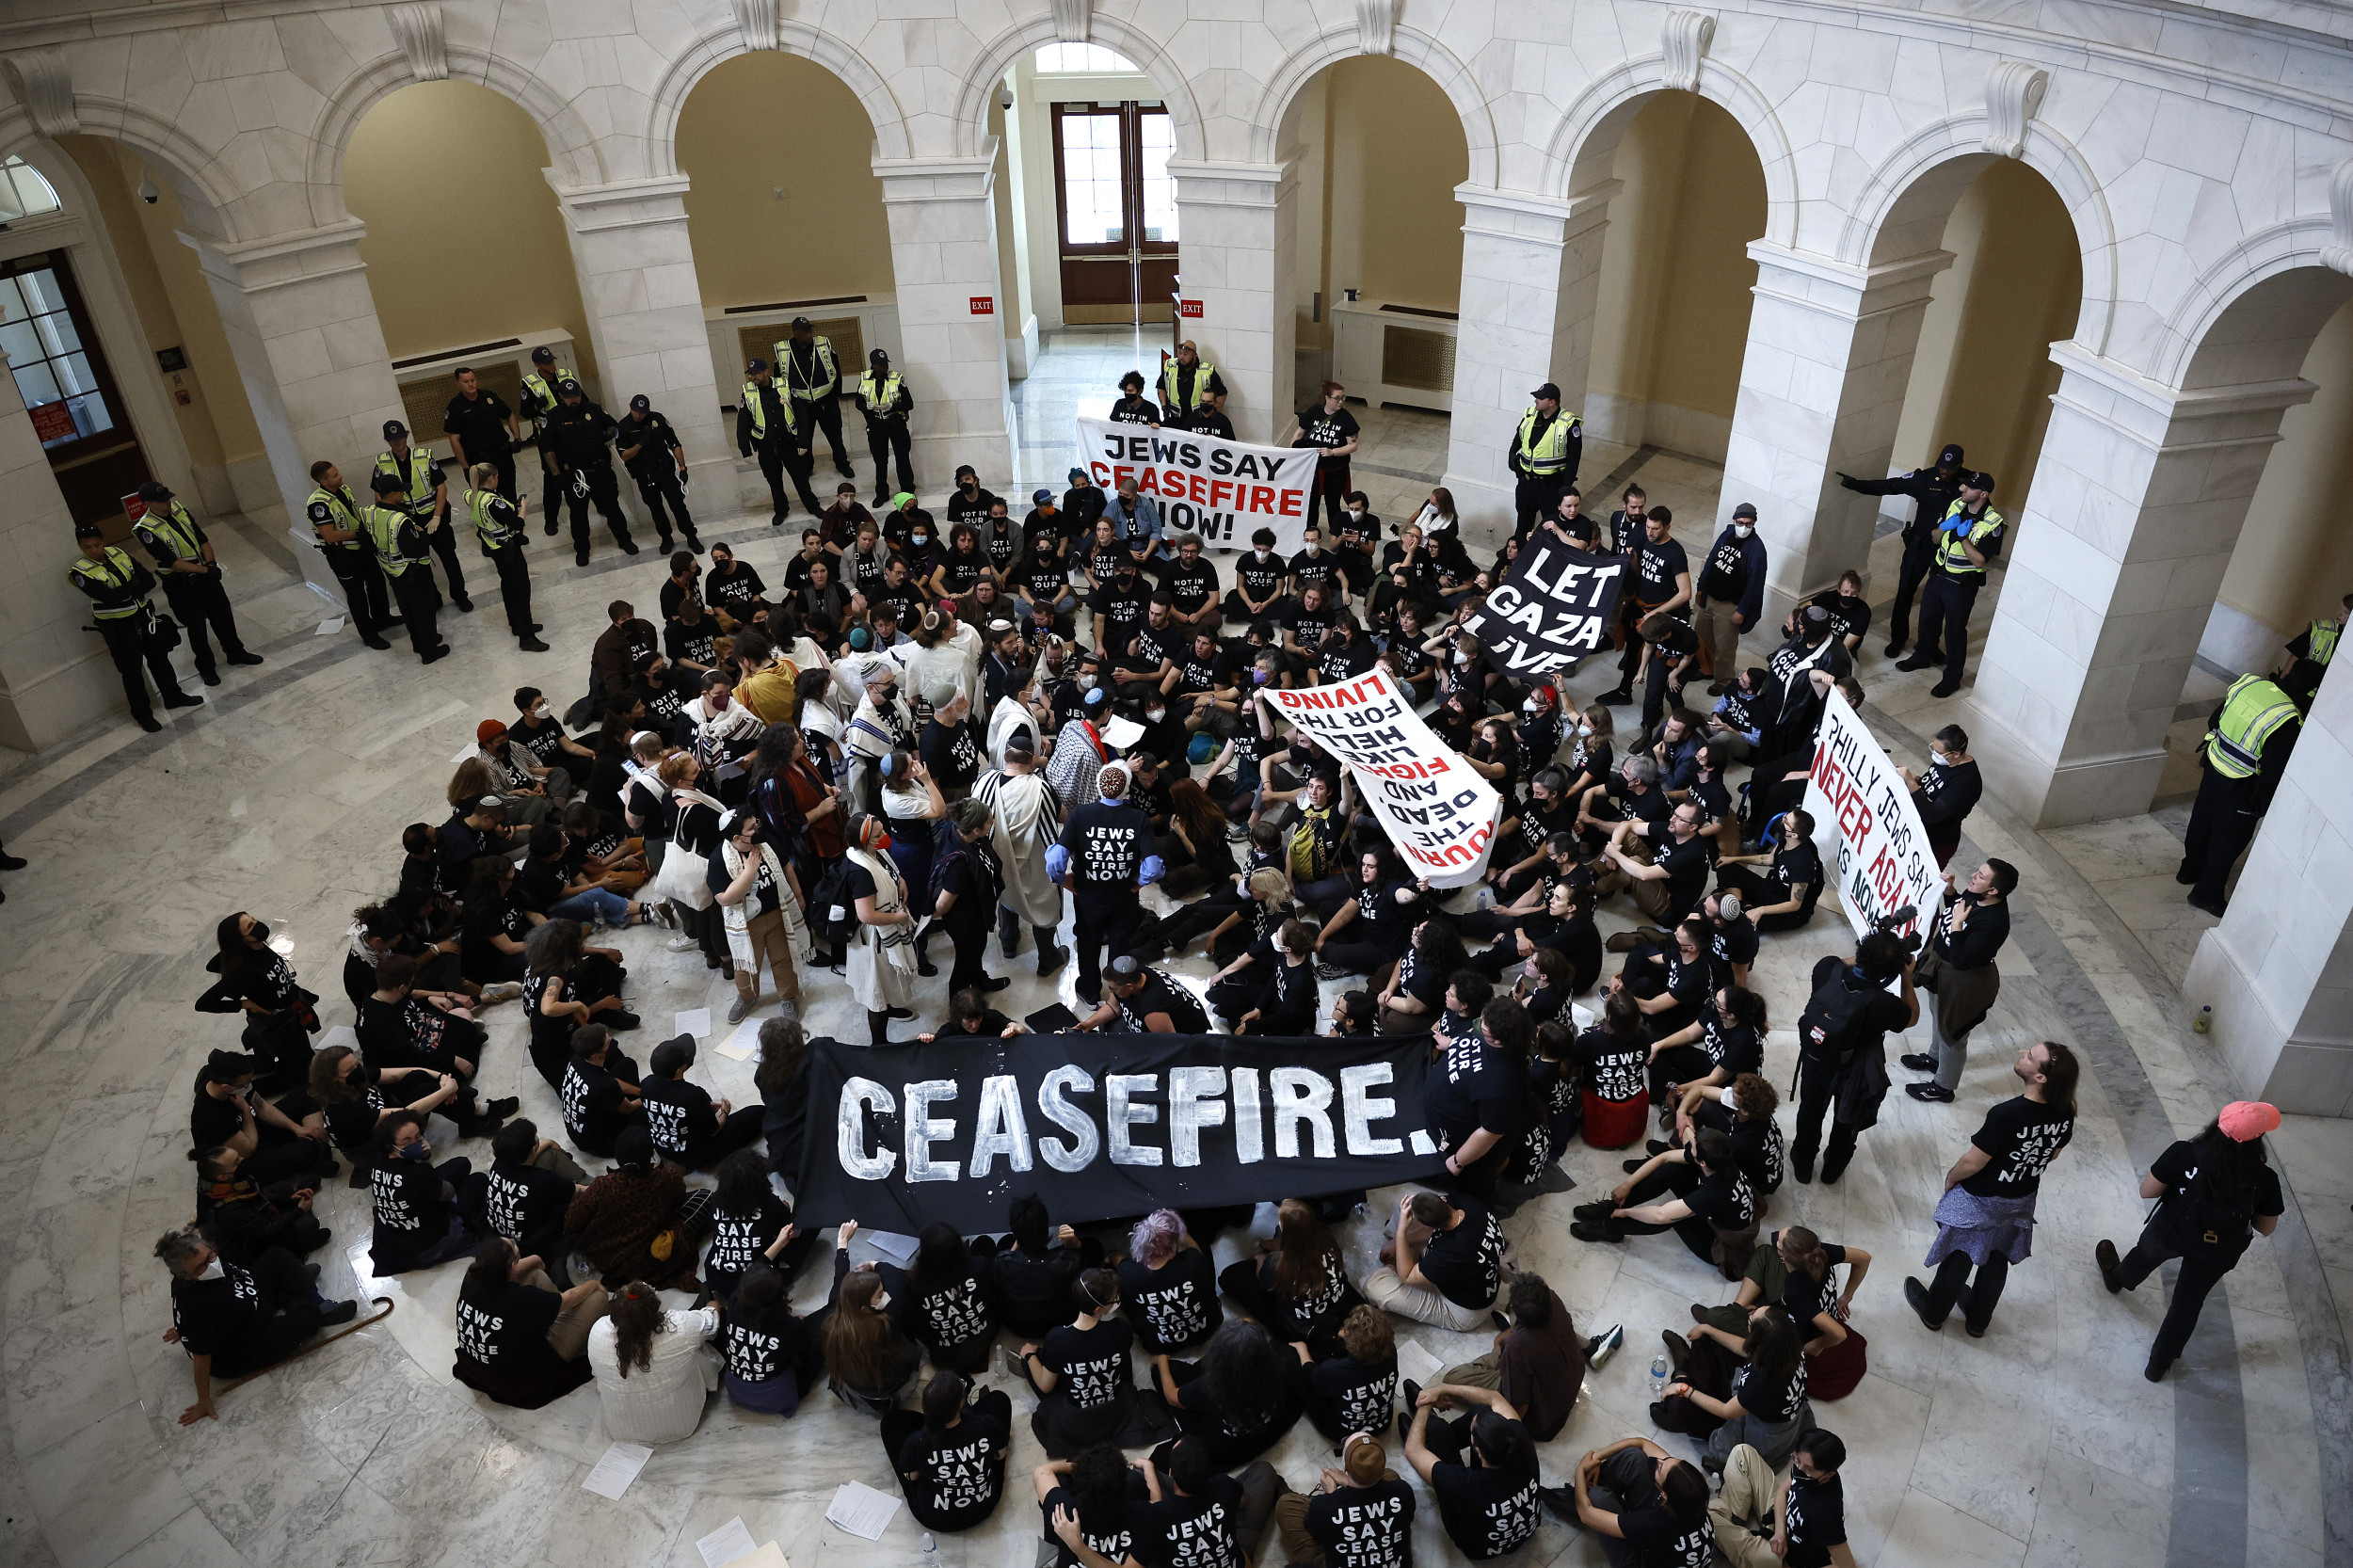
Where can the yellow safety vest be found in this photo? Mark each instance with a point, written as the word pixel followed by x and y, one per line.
pixel 495 535
pixel 383 525
pixel 1548 453
pixel 543 389
pixel 758 408
pixel 413 477
pixel 2320 640
pixel 1951 557
pixel 2251 715
pixel 880 395
pixel 118 562
pixel 177 528
pixel 782 348
pixel 1202 371
pixel 345 518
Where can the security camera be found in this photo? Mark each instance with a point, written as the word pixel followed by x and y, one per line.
pixel 1004 98
pixel 150 192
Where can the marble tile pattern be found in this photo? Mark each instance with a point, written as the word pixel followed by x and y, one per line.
pixel 284 794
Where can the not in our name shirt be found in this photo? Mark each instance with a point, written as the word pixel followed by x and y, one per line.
pixel 1466 1262
pixel 1815 1516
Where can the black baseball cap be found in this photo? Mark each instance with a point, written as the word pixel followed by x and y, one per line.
pixel 799 322
pixel 1980 481
pixel 640 404
pixel 393 429
pixel 382 483
pixel 543 355
pixel 568 388
pixel 87 531
pixel 1950 456
pixel 877 357
pixel 754 366
pixel 1549 390
pixel 153 491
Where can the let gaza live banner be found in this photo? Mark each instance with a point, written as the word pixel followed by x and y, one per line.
pixel 1553 608
pixel 1219 492
pixel 1436 809
pixel 1104 1125
pixel 1875 852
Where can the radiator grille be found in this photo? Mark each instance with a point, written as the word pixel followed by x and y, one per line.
pixel 1416 356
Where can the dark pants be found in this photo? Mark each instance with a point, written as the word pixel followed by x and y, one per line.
pixel 554 507
pixel 1817 1085
pixel 1536 497
pixel 1630 615
pixel 777 457
pixel 1662 666
pixel 970 935
pixel 741 1130
pixel 199 601
pixel 993 1406
pixel 825 413
pixel 1102 916
pixel 1945 607
pixel 1951 1286
pixel 514 587
pixel 1756 892
pixel 1330 490
pixel 412 590
pixel 1907 578
pixel 126 644
pixel 444 542
pixel 504 463
pixel 604 493
pixel 364 590
pixel 890 438
pixel 2197 1280
pixel 2221 824
pixel 295 1310
pixel 665 499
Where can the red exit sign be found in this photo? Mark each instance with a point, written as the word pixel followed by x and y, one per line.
pixel 983 306
pixel 1189 307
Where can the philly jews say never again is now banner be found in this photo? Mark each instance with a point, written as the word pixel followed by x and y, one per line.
pixel 1219 492
pixel 1104 1125
pixel 1553 608
pixel 1436 809
pixel 1875 852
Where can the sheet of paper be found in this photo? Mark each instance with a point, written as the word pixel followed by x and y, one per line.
pixel 730 1543
pixel 769 1555
pixel 328 627
pixel 900 1249
pixel 1121 734
pixel 860 1510
pixel 744 1043
pixel 616 1469
pixel 693 1020
pixel 1414 1362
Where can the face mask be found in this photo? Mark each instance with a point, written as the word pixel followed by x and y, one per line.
pixel 1742 530
pixel 718 702
pixel 1257 678
pixel 1531 706
pixel 886 695
pixel 214 1270
pixel 261 931
pixel 1155 715
pixel 921 537
pixel 882 1300
pixel 540 711
pixel 417 1150
pixel 1356 516
pixel 1262 554
pixel 1086 682
pixel 1585 729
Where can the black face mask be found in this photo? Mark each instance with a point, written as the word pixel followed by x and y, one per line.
pixel 259 932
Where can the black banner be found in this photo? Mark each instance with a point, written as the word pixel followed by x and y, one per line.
pixel 1104 1125
pixel 1553 608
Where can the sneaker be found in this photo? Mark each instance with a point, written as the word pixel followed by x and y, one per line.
pixel 502 1109
pixel 1919 1061
pixel 683 944
pixel 1561 1502
pixel 504 990
pixel 1618 698
pixel 1602 1346
pixel 1587 1232
pixel 995 983
pixel 1331 971
pixel 619 1021
pixel 737 1008
pixel 1631 1166
pixel 1917 1297
pixel 1934 1093
pixel 1409 1392
pixel 1593 1211
pixel 789 1008
pixel 1657 1146
pixel 664 913
pixel 2105 1254
pixel 340 1312
pixel 925 967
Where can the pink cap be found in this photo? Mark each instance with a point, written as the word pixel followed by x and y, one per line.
pixel 2243 1121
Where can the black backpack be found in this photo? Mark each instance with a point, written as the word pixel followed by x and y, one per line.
pixel 2202 1227
pixel 832 913
pixel 1832 1026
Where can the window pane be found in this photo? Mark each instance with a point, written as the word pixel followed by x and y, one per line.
pixel 1160 192
pixel 1063 59
pixel 1091 180
pixel 74 373
pixel 19 341
pixel 35 384
pixel 58 335
pixel 89 413
pixel 11 302
pixel 24 192
pixel 42 293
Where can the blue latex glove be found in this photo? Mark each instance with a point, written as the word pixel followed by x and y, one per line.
pixel 1154 869
pixel 1057 862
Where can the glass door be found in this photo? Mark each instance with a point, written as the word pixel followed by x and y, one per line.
pixel 69 391
pixel 1117 210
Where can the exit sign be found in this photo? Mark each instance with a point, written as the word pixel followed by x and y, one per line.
pixel 983 306
pixel 1189 307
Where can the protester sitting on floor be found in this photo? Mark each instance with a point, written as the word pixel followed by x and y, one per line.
pixel 1034 1267
pixel 1091 1493
pixel 945 1298
pixel 353 1097
pixel 527 1194
pixel 244 1217
pixel 950 1459
pixel 1537 1364
pixel 1355 1390
pixel 638 1220
pixel 1646 1505
pixel 747 1221
pixel 238 1319
pixel 1717 1220
pixel 1240 1399
pixel 774 1357
pixel 1760 1401
pixel 690 1128
pixel 521 1341
pixel 1168 1285
pixel 1482 1469
pixel 654 1366
pixel 1360 1516
pixel 287 1139
pixel 1085 1385
pixel 1298 1284
pixel 418 1222
pixel 1798 1522
pixel 1191 1517
pixel 868 1363
pixel 1443 1263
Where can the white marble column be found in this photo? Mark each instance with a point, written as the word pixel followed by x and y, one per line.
pixel 1236 245
pixel 1821 387
pixel 644 309
pixel 943 254
pixel 1532 280
pixel 302 326
pixel 2278 970
pixel 2138 496
pixel 53 676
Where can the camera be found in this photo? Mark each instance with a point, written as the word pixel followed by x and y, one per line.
pixel 149 191
pixel 1892 924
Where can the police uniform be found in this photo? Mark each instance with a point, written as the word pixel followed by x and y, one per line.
pixel 768 428
pixel 117 587
pixel 1186 391
pixel 1544 453
pixel 2308 662
pixel 2248 744
pixel 540 401
pixel 580 438
pixel 812 377
pixel 1936 489
pixel 398 542
pixel 423 495
pixel 196 597
pixel 352 560
pixel 1953 584
pixel 660 483
pixel 884 399
pixel 478 429
pixel 500 528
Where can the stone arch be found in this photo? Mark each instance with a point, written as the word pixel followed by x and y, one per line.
pixel 723 44
pixel 193 175
pixel 1111 32
pixel 1900 210
pixel 2250 317
pixel 1415 48
pixel 572 152
pixel 1582 149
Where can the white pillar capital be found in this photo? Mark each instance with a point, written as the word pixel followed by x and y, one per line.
pixel 1841 288
pixel 621 204
pixel 938 179
pixel 1204 182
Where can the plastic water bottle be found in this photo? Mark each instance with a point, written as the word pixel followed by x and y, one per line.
pixel 1658 1377
pixel 930 1543
pixel 2204 1021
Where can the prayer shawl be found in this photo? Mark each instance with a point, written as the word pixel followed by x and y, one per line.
pixel 881 966
pixel 1029 818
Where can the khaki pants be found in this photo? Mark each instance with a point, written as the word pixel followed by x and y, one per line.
pixel 1712 620
pixel 764 938
pixel 1746 1500
pixel 1291 1525
pixel 1486 1372
pixel 568 1337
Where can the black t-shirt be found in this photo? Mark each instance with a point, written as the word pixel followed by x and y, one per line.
pixel 1947 793
pixel 1611 1069
pixel 1466 1262
pixel 1805 1298
pixel 1882 1012
pixel 410 1213
pixel 1316 570
pixel 678 1115
pixel 1815 1517
pixel 1173 1304
pixel 1261 577
pixel 1091 1364
pixel 523 1199
pixel 1338 663
pixel 1112 1535
pixel 1769 1398
pixel 505 1328
pixel 213 1121
pixel 1796 865
pixel 480 424
pixel 739 1237
pixel 225 1319
pixel 1346 1395
pixel 1686 865
pixel 1326 431
pixel 1728 1202
pixel 1735 1051
pixel 1191 586
pixel 2202 1226
pixel 959 1474
pixel 1849 617
pixel 1364 1526
pixel 1041 579
pixel 765 1352
pixel 1730 944
pixel 732 589
pixel 1664 1543
pixel 1191 1532
pixel 1476 1086
pixel 1121 605
pixel 1033 1289
pixel 592 1105
pixel 766 894
pixel 951 754
pixel 692 644
pixel 960 569
pixel 2020 1137
pixel 1306 626
pixel 1725 577
pixel 1656 568
pixel 1487 1513
pixel 1321 1309
pixel 1106 844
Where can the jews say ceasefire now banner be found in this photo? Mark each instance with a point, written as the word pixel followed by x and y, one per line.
pixel 1438 812
pixel 1875 852
pixel 1219 492
pixel 1104 1125
pixel 1553 608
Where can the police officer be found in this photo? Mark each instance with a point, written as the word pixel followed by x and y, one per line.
pixel 813 377
pixel 425 492
pixel 191 578
pixel 499 523
pixel 540 402
pixel 580 439
pixel 334 514
pixel 1103 845
pixel 400 544
pixel 2309 655
pixel 651 451
pixel 1544 452
pixel 117 587
pixel 884 399
pixel 1968 537
pixel 1936 489
pixel 2248 743
pixel 1187 383
pixel 766 426
pixel 481 430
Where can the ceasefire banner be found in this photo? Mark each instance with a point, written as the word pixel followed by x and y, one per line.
pixel 1104 1125
pixel 1554 607
pixel 1436 809
pixel 1219 492
pixel 1875 852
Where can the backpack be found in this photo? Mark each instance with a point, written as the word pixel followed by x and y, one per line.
pixel 1832 1026
pixel 2199 1226
pixel 948 847
pixel 832 914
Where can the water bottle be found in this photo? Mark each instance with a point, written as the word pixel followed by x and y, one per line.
pixel 930 1543
pixel 2204 1021
pixel 1658 1377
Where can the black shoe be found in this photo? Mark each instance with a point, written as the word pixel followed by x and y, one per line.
pixel 1092 996
pixel 243 657
pixel 1585 1232
pixel 899 1014
pixel 1051 960
pixel 668 544
pixel 1933 1092
pixel 2157 1370
pixel 1618 698
pixel 693 544
pixel 549 530
pixel 13 862
pixel 1917 1297
pixel 1631 1166
pixel 881 502
pixel 376 643
pixel 1802 1164
pixel 629 546
pixel 341 1312
pixel 1659 1413
pixel 995 983
pixel 210 678
pixel 1919 1061
pixel 1561 1502
pixel 1976 1329
pixel 619 1021
pixel 1895 650
pixel 1944 688
pixel 1922 662
pixel 2214 906
pixel 1657 1145
pixel 2186 877
pixel 437 654
pixel 1593 1212
pixel 2110 1265
pixel 580 558
pixel 1833 1171
pixel 391 621
pixel 1678 1350
pixel 502 1109
pixel 1502 1323
pixel 846 471
pixel 532 645
pixel 925 967
pixel 149 722
pixel 1410 1392
pixel 465 605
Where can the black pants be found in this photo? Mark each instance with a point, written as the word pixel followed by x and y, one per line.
pixel 1951 1286
pixel 2198 1278
pixel 1917 554
pixel 778 458
pixel 199 601
pixel 1630 615
pixel 604 493
pixel 1103 916
pixel 825 413
pixel 2221 824
pixel 294 1313
pixel 1755 891
pixel 665 499
pixel 993 1406
pixel 514 587
pixel 126 644
pixel 364 590
pixel 1945 606
pixel 1817 1085
pixel 969 932
pixel 281 1154
pixel 1662 666
pixel 741 1130
pixel 1330 490
pixel 444 542
pixel 1536 497
pixel 504 463
pixel 553 502
pixel 890 438
pixel 412 590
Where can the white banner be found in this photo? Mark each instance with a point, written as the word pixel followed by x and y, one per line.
pixel 1436 809
pixel 1875 852
pixel 1219 492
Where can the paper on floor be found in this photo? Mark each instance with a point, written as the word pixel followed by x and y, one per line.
pixel 693 1020
pixel 730 1543
pixel 328 627
pixel 616 1469
pixel 860 1510
pixel 1415 1363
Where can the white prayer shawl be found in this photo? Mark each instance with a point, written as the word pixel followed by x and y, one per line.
pixel 739 913
pixel 874 735
pixel 1027 819
pixel 881 963
pixel 1010 719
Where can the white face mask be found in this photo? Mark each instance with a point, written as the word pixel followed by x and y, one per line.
pixel 1585 729
pixel 1743 530
pixel 214 1270
pixel 882 1300
pixel 1263 553
pixel 540 711
pixel 1355 515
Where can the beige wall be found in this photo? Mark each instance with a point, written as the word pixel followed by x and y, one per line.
pixel 464 243
pixel 2295 559
pixel 1393 152
pixel 766 119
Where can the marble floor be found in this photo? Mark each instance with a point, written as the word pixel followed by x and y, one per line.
pixel 286 793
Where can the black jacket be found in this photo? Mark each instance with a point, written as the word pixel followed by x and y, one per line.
pixel 581 435
pixel 1932 491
